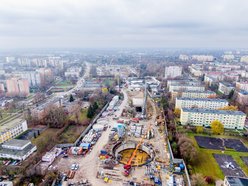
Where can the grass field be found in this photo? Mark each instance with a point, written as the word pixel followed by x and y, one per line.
pixel 71 133
pixel 82 117
pixel 45 139
pixel 4 115
pixel 206 163
pixel 64 83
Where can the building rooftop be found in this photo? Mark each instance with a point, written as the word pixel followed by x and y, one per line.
pixel 47 103
pixel 202 110
pixel 8 125
pixel 227 84
pixel 188 85
pixel 198 91
pixel 16 143
pixel 16 152
pixel 244 92
pixel 203 99
pixel 184 82
pixel 237 181
pixel 243 82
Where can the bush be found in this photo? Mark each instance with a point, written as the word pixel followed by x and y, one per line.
pixel 209 180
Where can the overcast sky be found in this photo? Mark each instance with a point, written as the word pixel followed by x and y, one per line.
pixel 123 23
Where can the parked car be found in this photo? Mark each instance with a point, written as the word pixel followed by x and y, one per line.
pixel 74 166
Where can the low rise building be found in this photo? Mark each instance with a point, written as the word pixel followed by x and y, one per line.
pixel 17 149
pixel 91 85
pixel 42 109
pixel 204 117
pixel 12 129
pixel 200 103
pixel 6 183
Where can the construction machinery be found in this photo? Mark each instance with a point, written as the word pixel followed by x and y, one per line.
pixel 128 166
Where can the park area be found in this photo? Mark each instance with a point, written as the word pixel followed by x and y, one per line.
pixel 213 152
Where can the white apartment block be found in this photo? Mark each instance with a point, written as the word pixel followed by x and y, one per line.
pixel 173 71
pixel 12 129
pixel 73 72
pixel 228 57
pixel 204 117
pixel 33 77
pixel 244 59
pixel 183 57
pixel 209 80
pixel 196 71
pixel 203 58
pixel 225 88
pixel 182 82
pixel 193 94
pixel 244 74
pixel 206 103
pixel 242 86
pixel 186 88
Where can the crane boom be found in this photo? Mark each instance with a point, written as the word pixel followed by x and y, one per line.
pixel 137 147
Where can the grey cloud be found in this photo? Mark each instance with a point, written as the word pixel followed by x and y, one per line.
pixel 110 23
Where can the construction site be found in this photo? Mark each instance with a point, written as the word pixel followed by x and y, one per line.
pixel 131 148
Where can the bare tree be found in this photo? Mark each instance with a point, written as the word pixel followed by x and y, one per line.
pixel 198 180
pixel 187 149
pixel 56 117
pixel 38 97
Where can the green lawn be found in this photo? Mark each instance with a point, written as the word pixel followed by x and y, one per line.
pixel 64 83
pixel 4 115
pixel 71 133
pixel 83 116
pixel 206 163
pixel 108 82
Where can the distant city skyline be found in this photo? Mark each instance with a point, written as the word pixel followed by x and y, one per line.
pixel 123 24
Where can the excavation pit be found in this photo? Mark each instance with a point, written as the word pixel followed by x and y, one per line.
pixel 123 153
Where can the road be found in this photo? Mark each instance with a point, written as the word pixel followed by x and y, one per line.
pixel 79 83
